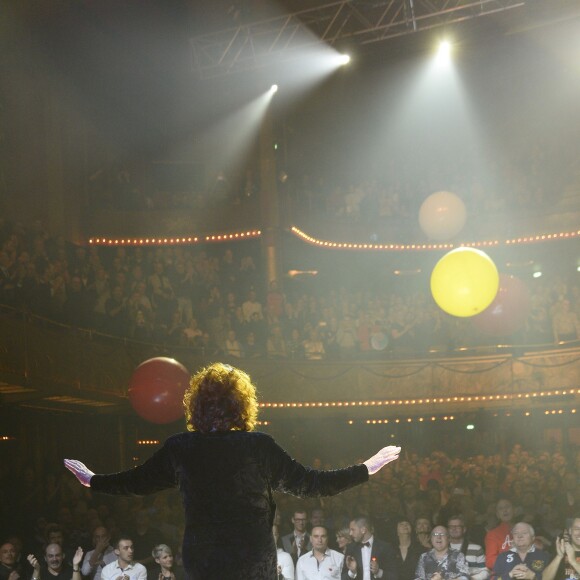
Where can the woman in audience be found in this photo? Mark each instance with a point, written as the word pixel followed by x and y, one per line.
pixel 163 556
pixel 407 550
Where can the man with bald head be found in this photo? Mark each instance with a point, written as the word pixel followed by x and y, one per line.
pixel 102 554
pixel 523 561
pixel 56 568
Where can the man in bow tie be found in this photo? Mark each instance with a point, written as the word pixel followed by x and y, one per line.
pixel 367 557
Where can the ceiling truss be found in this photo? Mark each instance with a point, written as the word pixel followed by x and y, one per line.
pixel 258 44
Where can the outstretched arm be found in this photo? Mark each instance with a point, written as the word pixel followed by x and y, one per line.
pixel 291 477
pixel 156 474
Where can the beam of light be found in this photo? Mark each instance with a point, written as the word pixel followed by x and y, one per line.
pixel 273 89
pixel 225 145
pixel 308 67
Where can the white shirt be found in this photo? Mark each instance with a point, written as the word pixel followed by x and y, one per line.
pixel 94 572
pixel 134 571
pixel 309 568
pixel 286 563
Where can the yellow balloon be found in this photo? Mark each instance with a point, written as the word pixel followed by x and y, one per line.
pixel 464 282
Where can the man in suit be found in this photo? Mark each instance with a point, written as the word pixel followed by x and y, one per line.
pixel 297 542
pixel 368 557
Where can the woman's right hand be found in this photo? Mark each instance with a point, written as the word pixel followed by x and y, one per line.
pixel 80 471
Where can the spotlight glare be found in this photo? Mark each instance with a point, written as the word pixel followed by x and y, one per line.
pixel 444 52
pixel 537 274
pixel 344 59
pixel 274 89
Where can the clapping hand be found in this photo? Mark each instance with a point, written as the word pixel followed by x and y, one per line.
pixel 77 558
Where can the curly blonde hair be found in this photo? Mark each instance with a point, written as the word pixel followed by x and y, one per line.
pixel 220 398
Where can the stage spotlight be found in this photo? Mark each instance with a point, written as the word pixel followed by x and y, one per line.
pixel 273 89
pixel 344 59
pixel 444 52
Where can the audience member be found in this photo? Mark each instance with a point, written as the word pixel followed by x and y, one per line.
pixel 474 554
pixel 441 562
pixel 285 562
pixel 499 539
pixel 566 563
pixel 407 550
pixel 297 542
pixel 368 557
pixel 523 561
pixel 321 562
pixel 124 566
pixel 101 554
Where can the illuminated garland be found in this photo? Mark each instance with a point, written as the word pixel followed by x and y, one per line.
pixel 406 247
pixel 421 401
pixel 175 241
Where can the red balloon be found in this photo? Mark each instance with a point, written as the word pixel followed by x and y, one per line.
pixel 509 310
pixel 156 390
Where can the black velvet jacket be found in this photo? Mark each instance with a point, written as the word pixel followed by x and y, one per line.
pixel 226 481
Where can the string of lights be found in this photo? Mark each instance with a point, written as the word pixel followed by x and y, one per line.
pixel 421 401
pixel 414 247
pixel 175 241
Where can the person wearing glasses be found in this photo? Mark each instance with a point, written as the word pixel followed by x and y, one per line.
pixel 474 554
pixel 441 562
pixel 227 474
pixel 297 542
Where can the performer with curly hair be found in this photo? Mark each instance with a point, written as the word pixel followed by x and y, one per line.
pixel 227 473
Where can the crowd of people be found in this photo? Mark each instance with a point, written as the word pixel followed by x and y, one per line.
pixel 425 518
pixel 212 299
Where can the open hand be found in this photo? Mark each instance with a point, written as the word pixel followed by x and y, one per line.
pixel 77 558
pixel 80 471
pixel 380 459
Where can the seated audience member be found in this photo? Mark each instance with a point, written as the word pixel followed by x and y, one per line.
pixel 56 567
pixel 163 556
pixel 285 563
pixel 523 561
pixel 8 567
pixel 408 550
pixel 124 566
pixel 368 556
pixel 321 562
pixel 101 555
pixel 499 539
pixel 473 553
pixel 441 562
pixel 566 563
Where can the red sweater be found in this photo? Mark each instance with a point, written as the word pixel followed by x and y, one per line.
pixel 497 541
